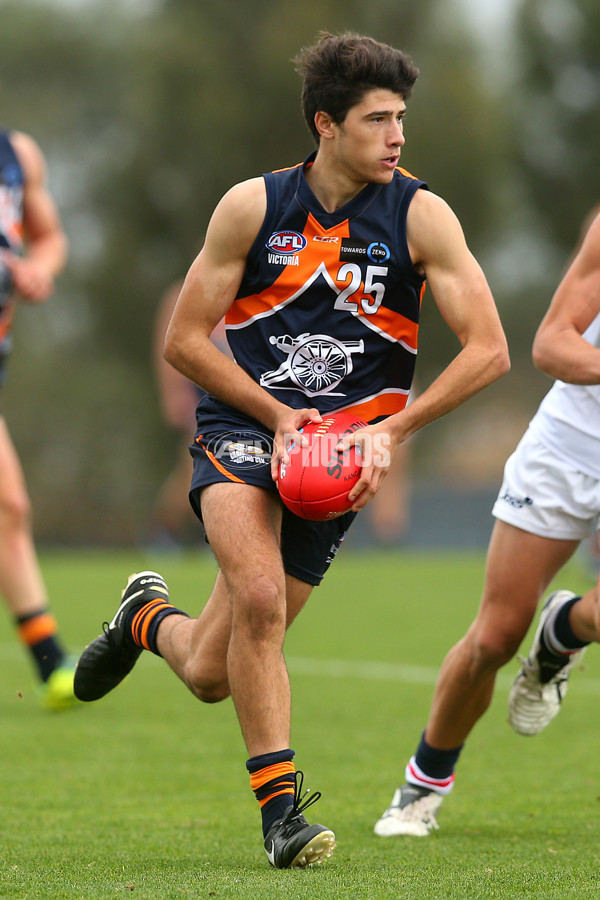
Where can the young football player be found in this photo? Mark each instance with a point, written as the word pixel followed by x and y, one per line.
pixel 33 252
pixel 318 268
pixel 548 503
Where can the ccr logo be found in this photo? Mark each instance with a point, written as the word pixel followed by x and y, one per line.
pixel 286 242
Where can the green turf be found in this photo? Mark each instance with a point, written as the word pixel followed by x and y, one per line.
pixel 145 793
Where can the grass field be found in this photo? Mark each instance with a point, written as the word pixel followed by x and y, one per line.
pixel 145 793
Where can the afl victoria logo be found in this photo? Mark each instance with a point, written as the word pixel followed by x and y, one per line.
pixel 286 242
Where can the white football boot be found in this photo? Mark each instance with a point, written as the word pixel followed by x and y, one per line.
pixel 412 812
pixel 541 685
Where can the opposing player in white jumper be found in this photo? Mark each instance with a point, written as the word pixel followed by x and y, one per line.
pixel 549 502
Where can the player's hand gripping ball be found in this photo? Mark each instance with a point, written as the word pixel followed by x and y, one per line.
pixel 317 480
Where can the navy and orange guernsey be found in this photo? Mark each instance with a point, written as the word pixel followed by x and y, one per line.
pixel 11 231
pixel 327 314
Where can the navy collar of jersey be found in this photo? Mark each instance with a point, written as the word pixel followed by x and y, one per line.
pixel 349 210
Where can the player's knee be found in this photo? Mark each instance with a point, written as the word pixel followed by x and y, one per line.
pixel 15 511
pixel 206 686
pixel 212 691
pixel 260 608
pixel 493 650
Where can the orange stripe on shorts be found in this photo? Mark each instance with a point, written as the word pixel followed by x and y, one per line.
pixel 222 469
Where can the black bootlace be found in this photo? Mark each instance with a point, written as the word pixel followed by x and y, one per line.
pixel 299 806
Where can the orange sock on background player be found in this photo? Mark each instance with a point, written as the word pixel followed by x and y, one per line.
pixel 39 632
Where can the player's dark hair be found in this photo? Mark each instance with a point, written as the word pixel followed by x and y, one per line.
pixel 338 70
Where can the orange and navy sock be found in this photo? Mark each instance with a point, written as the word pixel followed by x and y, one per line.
pixel 273 780
pixel 143 620
pixel 39 632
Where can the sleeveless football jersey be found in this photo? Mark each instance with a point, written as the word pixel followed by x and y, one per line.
pixel 568 419
pixel 327 314
pixel 11 231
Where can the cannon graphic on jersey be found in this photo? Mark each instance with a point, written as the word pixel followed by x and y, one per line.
pixel 318 478
pixel 316 363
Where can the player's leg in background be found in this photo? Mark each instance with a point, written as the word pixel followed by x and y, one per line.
pixel 584 617
pixel 21 583
pixel 519 568
pixel 589 554
pixel 389 510
pixel 172 512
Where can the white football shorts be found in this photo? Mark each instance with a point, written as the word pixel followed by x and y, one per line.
pixel 541 494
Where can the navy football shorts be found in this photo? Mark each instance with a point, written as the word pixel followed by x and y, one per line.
pixel 230 447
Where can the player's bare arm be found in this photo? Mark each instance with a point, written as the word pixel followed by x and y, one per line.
pixel 46 245
pixel 460 290
pixel 208 291
pixel 465 301
pixel 559 349
pixel 177 395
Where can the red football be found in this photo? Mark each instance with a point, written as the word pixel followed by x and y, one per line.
pixel 317 480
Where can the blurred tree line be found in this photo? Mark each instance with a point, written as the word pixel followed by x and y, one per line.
pixel 148 112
